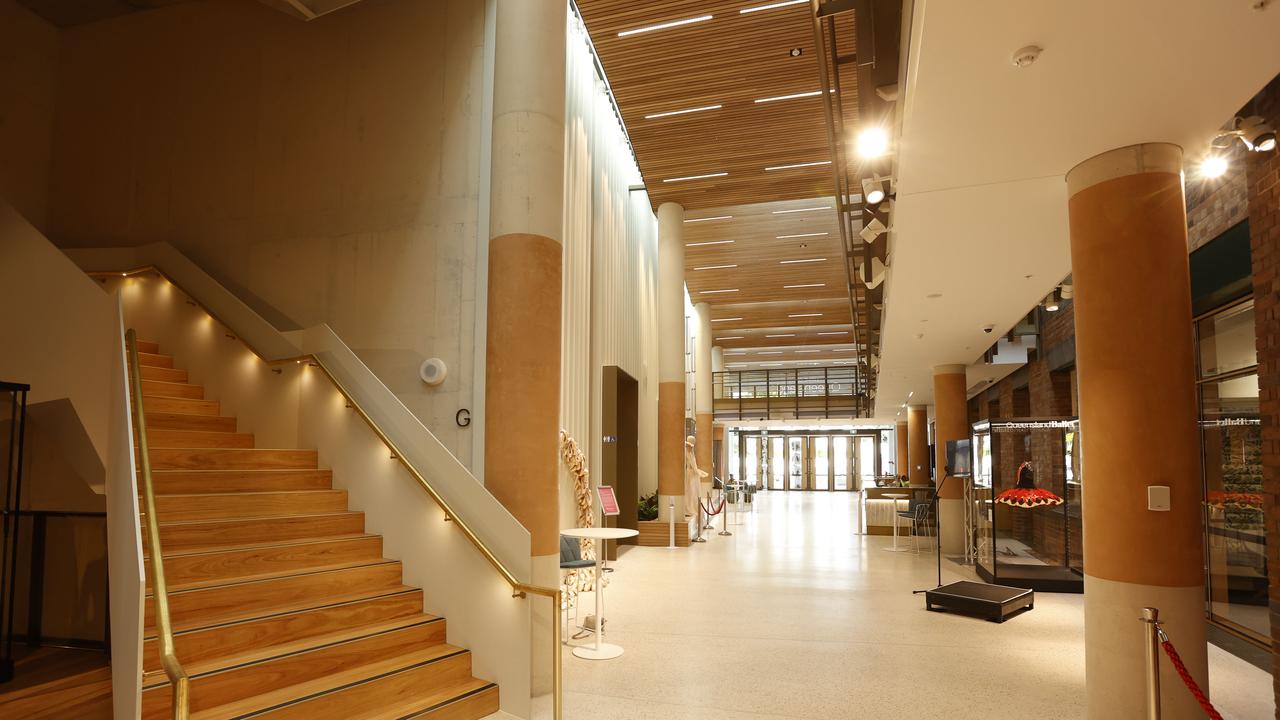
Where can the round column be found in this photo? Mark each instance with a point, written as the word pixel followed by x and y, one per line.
pixel 918 445
pixel 703 408
pixel 900 467
pixel 950 422
pixel 522 364
pixel 1136 380
pixel 671 390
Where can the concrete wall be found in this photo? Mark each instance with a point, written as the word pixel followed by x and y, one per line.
pixel 28 70
pixel 325 171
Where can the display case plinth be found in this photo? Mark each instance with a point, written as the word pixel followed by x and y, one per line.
pixel 992 602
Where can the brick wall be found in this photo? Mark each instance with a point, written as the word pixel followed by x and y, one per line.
pixel 1215 205
pixel 1263 172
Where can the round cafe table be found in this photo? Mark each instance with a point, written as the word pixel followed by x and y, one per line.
pixel 895 497
pixel 601 650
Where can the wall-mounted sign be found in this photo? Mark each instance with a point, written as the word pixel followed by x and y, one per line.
pixel 462 417
pixel 608 501
pixel 610 439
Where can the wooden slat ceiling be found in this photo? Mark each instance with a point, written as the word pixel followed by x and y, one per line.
pixel 733 60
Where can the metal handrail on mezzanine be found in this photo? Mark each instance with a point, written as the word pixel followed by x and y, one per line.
pixel 159 586
pixel 519 589
pixel 841 389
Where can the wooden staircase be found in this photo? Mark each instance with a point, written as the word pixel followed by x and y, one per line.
pixel 282 606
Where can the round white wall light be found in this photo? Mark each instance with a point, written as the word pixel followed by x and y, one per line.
pixel 433 371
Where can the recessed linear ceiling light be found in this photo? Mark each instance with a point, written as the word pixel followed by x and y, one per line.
pixel 732 337
pixel 798 165
pixel 708 242
pixel 834 332
pixel 808 351
pixel 665 25
pixel 796 315
pixel 770 6
pixel 808 209
pixel 842 362
pixel 715 292
pixel 709 219
pixel 725 319
pixel 715 267
pixel 695 177
pixel 800 235
pixel 800 262
pixel 844 350
pixel 670 113
pixel 770 364
pixel 781 335
pixel 806 285
pixel 792 96
pixel 769 352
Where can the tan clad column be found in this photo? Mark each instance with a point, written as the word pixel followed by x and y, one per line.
pixel 918 445
pixel 1137 423
pixel 901 467
pixel 950 422
pixel 522 366
pixel 703 411
pixel 671 390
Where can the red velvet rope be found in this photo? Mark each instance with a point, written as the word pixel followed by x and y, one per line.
pixel 706 510
pixel 1189 681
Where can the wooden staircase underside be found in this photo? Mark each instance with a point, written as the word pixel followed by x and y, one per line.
pixel 282 605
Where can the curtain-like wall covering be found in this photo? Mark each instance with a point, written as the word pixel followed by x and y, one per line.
pixel 610 271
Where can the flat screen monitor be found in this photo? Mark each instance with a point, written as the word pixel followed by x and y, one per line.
pixel 959 457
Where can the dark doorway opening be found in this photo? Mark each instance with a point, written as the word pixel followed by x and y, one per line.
pixel 620 452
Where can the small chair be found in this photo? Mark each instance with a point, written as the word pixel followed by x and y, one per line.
pixel 571 559
pixel 919 512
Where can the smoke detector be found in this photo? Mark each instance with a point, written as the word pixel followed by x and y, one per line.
pixel 1024 57
pixel 433 371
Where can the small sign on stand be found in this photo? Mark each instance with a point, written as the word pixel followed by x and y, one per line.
pixel 608 500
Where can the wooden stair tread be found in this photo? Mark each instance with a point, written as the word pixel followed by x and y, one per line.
pixel 231 580
pixel 157 677
pixel 169 388
pixel 329 683
pixel 436 702
pixel 188 482
pixel 189 421
pixel 154 360
pixel 215 521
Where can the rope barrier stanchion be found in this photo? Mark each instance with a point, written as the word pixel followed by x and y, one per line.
pixel 724 516
pixel 1157 639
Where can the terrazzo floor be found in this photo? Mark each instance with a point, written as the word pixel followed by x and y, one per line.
pixel 798 616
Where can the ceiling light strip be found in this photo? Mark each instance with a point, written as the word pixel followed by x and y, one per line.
pixel 801 262
pixel 835 332
pixel 800 235
pixel 771 6
pixel 793 166
pixel 664 26
pixel 806 285
pixel 716 292
pixel 709 242
pixel 792 96
pixel 796 210
pixel 686 111
pixel 779 335
pixel 709 219
pixel 715 267
pixel 732 337
pixel 725 319
pixel 695 177
pixel 800 315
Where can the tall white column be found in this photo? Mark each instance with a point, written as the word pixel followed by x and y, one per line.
pixel 703 396
pixel 671 388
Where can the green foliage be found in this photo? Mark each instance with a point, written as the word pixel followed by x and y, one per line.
pixel 647 508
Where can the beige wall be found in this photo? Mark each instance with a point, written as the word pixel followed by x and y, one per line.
pixel 28 70
pixel 325 171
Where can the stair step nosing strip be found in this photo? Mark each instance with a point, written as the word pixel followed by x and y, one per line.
pixel 303 651
pixel 251 581
pixel 282 613
pixel 446 703
pixel 348 686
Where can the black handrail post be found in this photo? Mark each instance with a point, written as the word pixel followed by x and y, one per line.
pixel 12 505
pixel 35 593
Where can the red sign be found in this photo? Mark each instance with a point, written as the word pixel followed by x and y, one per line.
pixel 608 501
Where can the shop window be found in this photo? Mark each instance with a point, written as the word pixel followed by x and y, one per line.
pixel 1231 441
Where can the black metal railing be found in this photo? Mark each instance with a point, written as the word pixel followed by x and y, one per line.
pixel 13 405
pixel 789 393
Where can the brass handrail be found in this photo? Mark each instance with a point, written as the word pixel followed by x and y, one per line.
pixel 159 587
pixel 519 589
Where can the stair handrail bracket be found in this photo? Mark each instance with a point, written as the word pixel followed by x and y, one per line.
pixel 159 587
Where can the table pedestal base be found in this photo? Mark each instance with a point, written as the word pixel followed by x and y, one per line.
pixel 604 652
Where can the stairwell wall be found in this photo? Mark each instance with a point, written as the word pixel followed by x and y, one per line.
pixel 28 73
pixel 326 172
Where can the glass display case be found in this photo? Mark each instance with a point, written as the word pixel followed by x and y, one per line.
pixel 1024 507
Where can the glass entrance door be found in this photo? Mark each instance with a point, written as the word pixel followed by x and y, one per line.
pixel 750 460
pixel 864 453
pixel 841 451
pixel 777 463
pixel 820 446
pixel 796 462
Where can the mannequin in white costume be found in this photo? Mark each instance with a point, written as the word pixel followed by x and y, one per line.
pixel 692 479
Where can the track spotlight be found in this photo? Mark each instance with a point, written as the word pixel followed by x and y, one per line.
pixel 1052 303
pixel 872 231
pixel 1254 131
pixel 874 189
pixel 872 142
